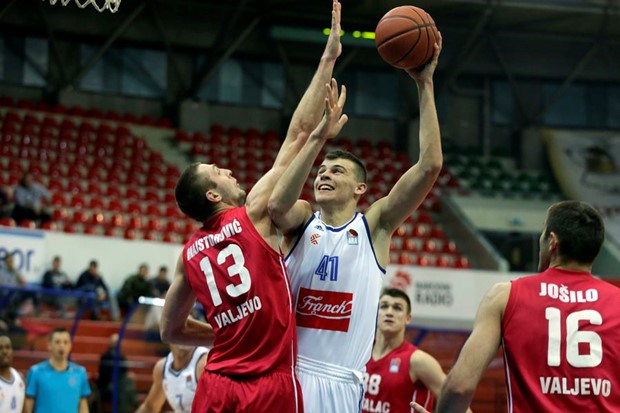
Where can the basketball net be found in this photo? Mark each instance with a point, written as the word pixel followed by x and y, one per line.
pixel 100 5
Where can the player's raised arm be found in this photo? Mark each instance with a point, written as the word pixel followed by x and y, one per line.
pixel 306 117
pixel 175 325
pixel 309 111
pixel 411 189
pixel 284 208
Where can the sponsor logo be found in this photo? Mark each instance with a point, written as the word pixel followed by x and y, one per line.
pixel 324 310
pixel 314 239
pixel 319 227
pixel 352 238
pixel 395 365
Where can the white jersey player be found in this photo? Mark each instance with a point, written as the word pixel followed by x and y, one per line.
pixel 175 378
pixel 12 387
pixel 336 257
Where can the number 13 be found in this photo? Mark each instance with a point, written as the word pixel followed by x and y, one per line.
pixel 235 269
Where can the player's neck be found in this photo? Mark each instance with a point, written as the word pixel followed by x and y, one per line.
pixel 58 364
pixel 181 361
pixel 336 216
pixel 571 266
pixel 386 343
pixel 5 373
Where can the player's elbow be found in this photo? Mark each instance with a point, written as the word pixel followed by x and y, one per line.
pixel 166 332
pixel 276 208
pixel 459 389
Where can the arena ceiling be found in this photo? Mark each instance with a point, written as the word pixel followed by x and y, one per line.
pixel 511 38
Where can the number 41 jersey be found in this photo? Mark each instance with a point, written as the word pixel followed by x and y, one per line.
pixel 243 286
pixel 561 332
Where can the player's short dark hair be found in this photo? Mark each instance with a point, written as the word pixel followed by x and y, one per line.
pixel 360 171
pixel 190 194
pixel 58 330
pixel 579 228
pixel 397 293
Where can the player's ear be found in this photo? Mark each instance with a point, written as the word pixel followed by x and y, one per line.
pixel 213 196
pixel 361 188
pixel 554 242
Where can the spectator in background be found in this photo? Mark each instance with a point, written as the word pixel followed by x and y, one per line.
pixel 127 397
pixel 134 286
pixel 5 203
pixel 57 385
pixel 92 281
pixel 160 284
pixel 56 279
pixel 30 199
pixel 11 276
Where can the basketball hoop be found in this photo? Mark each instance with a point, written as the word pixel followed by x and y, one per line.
pixel 100 5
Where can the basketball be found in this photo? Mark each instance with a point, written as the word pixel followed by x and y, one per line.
pixel 405 36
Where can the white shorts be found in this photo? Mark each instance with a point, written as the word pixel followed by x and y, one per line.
pixel 328 388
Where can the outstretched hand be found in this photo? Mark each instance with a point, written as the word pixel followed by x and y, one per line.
pixel 334 47
pixel 333 119
pixel 426 71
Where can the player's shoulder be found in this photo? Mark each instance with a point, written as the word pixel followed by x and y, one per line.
pixel 77 368
pixel 39 367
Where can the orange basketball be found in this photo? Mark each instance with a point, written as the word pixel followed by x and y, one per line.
pixel 405 36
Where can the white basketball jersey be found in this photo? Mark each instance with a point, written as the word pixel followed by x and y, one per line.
pixel 12 393
pixel 180 386
pixel 336 282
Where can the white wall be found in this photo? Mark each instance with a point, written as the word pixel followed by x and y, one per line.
pixel 117 257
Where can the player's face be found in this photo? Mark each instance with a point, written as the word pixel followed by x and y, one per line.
pixel 393 314
pixel 6 352
pixel 60 345
pixel 225 184
pixel 336 181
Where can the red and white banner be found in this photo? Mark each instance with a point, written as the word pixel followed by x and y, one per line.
pixel 324 310
pixel 443 298
pixel 587 167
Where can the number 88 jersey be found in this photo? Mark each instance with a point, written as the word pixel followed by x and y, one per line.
pixel 243 286
pixel 561 338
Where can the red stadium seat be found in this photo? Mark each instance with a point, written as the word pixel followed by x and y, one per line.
pixel 462 262
pixel 60 214
pixel 77 201
pixel 132 194
pixel 130 234
pixel 170 238
pixel 49 226
pixel 7 222
pixel 98 219
pixel 134 207
pixel 115 205
pixel 135 222
pixel 154 224
pixel 79 217
pixel 150 236
pixel 153 210
pixel 117 221
pixel 406 259
pixel 172 226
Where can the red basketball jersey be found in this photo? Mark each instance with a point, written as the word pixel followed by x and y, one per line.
pixel 561 338
pixel 243 286
pixel 388 384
